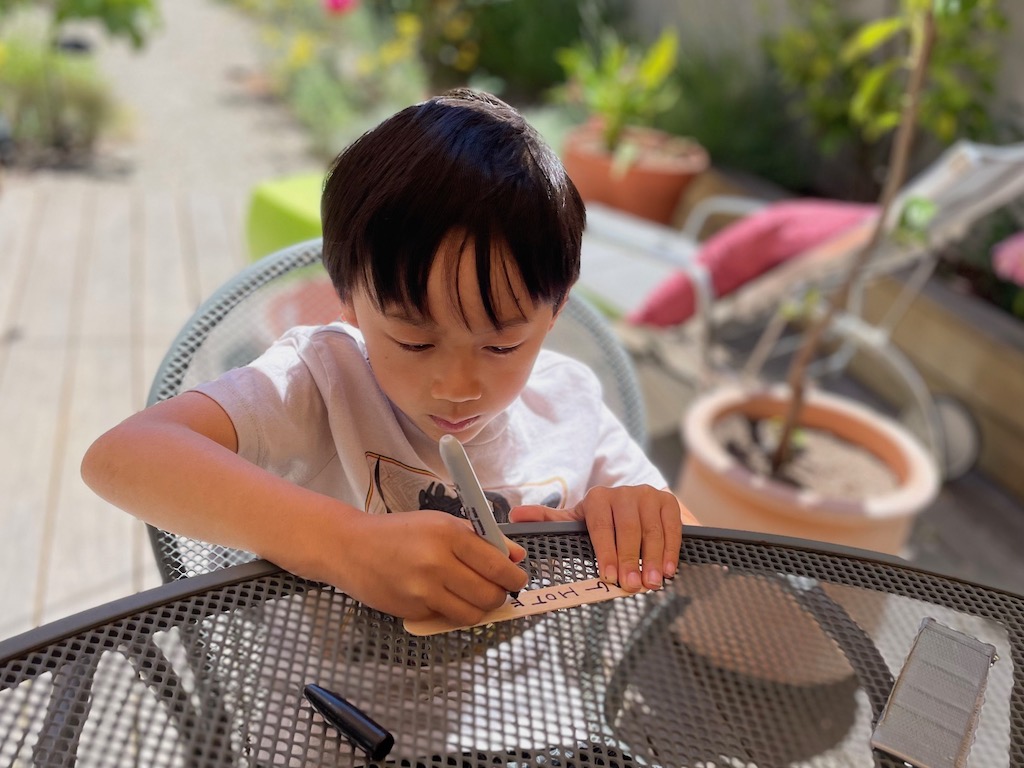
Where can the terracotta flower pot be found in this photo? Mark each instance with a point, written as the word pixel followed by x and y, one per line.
pixel 653 183
pixel 721 492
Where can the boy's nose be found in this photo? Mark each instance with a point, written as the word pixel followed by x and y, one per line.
pixel 456 382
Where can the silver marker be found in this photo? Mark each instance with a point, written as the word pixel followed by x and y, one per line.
pixel 470 493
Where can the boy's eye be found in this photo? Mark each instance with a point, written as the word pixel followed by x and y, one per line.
pixel 414 347
pixel 504 350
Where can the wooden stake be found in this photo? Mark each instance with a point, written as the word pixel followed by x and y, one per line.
pixel 530 603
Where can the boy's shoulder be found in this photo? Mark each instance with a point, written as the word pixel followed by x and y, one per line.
pixel 331 346
pixel 564 371
pixel 336 334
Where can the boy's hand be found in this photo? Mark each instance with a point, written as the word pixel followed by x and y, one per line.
pixel 626 524
pixel 423 564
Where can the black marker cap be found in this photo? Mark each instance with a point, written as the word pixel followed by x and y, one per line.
pixel 354 724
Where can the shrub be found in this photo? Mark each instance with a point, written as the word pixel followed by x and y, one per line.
pixel 55 104
pixel 339 66
pixel 131 19
pixel 506 46
pixel 844 77
pixel 734 111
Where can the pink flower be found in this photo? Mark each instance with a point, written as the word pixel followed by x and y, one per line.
pixel 1008 258
pixel 339 6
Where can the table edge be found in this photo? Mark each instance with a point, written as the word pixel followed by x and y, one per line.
pixel 39 637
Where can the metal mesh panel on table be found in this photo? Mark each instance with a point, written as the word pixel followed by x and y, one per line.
pixel 752 656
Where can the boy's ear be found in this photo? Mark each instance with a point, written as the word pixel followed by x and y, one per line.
pixel 348 312
pixel 558 311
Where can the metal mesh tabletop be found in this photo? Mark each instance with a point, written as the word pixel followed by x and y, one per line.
pixel 759 653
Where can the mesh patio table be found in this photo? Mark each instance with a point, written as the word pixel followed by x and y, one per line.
pixel 761 652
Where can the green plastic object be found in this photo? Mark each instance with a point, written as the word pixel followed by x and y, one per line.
pixel 282 212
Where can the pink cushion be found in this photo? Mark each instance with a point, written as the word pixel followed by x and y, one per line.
pixel 1008 258
pixel 749 247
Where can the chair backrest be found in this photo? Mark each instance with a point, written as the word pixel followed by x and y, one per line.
pixel 290 287
pixel 965 183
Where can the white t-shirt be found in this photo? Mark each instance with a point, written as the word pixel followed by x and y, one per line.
pixel 310 410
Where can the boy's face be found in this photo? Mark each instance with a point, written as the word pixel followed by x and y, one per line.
pixel 447 377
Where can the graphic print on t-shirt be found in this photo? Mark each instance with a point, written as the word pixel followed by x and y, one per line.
pixel 398 487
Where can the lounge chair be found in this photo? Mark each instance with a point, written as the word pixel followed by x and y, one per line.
pixel 627 260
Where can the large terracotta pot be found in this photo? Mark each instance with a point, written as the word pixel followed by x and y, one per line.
pixel 721 492
pixel 650 186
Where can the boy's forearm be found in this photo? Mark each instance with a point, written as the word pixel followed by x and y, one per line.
pixel 179 480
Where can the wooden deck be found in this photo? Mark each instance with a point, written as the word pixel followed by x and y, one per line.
pixel 96 278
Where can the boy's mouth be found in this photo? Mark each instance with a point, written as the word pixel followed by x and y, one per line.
pixel 454 426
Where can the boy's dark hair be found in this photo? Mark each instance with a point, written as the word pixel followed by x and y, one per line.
pixel 462 162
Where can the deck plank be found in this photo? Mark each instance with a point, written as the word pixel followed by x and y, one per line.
pixel 18 207
pixel 33 389
pixel 218 248
pixel 169 283
pixel 47 293
pixel 101 363
pixel 28 421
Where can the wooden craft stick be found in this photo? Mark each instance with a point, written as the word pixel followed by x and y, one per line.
pixel 530 603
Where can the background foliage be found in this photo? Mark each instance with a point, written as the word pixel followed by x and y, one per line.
pixel 843 78
pixel 129 19
pixel 54 103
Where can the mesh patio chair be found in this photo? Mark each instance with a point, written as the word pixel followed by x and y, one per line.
pixel 290 287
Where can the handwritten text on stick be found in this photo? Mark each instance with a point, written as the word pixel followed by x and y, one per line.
pixel 529 603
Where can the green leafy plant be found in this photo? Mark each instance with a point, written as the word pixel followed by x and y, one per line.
pixel 732 108
pixel 843 76
pixel 129 19
pixel 340 66
pixel 619 84
pixel 55 104
pixel 538 26
pixel 921 21
pixel 482 42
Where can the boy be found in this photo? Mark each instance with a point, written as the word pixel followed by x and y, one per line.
pixel 452 236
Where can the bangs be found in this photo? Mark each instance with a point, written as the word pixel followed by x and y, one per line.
pixel 400 281
pixel 443 174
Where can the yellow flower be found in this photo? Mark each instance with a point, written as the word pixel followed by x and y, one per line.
pixel 408 26
pixel 467 56
pixel 301 51
pixel 392 52
pixel 366 64
pixel 457 26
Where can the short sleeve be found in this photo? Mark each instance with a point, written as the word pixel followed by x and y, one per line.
pixel 278 411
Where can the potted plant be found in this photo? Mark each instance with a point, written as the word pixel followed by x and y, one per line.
pixel 721 482
pixel 616 157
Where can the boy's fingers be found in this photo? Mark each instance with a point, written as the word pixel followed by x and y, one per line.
pixel 489 566
pixel 652 544
pixel 601 527
pixel 516 552
pixel 673 534
pixel 627 543
pixel 538 513
pixel 456 607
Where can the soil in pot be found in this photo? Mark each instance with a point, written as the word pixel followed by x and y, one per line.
pixel 824 462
